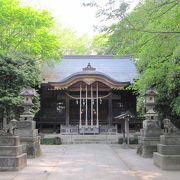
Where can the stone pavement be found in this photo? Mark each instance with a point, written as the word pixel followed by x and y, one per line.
pixel 90 162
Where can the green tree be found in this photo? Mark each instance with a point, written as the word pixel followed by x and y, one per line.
pixel 71 43
pixel 99 44
pixel 150 33
pixel 27 40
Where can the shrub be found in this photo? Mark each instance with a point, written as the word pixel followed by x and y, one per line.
pixel 132 140
pixel 51 141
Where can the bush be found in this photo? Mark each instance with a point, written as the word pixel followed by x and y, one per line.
pixel 132 140
pixel 51 141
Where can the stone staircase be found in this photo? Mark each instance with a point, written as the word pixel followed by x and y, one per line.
pixel 89 139
pixel 86 139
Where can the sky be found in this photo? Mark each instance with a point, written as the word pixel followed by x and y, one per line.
pixel 71 13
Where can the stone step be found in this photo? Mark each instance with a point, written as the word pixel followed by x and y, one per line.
pixel 89 139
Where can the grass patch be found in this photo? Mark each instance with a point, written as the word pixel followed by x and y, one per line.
pixel 51 141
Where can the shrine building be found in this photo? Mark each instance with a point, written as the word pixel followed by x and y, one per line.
pixel 84 94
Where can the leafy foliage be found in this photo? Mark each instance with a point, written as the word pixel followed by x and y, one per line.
pixel 99 44
pixel 150 33
pixel 51 141
pixel 27 41
pixel 15 74
pixel 28 31
pixel 71 43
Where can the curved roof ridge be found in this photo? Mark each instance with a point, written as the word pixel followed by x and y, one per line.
pixel 81 73
pixel 88 70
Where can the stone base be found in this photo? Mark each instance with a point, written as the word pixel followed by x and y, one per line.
pixel 9 141
pixel 167 162
pixel 29 138
pixel 168 155
pixel 83 130
pixel 170 139
pixel 31 146
pixel 89 139
pixel 11 150
pixel 26 133
pixel 12 157
pixel 168 149
pixel 88 130
pixel 147 145
pixel 8 163
pixel 147 151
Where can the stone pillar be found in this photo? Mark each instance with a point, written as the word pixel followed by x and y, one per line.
pixel 110 111
pixel 67 111
pixel 12 157
pixel 4 124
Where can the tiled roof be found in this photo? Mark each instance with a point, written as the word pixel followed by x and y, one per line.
pixel 120 69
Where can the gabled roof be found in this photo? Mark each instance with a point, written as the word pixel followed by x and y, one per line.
pixel 117 69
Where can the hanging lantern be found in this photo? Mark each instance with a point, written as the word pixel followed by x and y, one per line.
pixel 83 102
pixel 76 101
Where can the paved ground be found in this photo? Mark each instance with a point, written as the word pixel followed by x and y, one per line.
pixel 90 162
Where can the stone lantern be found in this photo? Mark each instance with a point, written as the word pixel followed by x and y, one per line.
pixel 150 134
pixel 150 103
pixel 150 95
pixel 26 127
pixel 28 95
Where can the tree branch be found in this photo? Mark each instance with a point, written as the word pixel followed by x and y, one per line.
pixel 149 40
pixel 167 10
pixel 155 32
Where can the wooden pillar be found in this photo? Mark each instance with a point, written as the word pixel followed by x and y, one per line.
pixel 110 111
pixel 91 106
pixel 67 111
pixel 80 106
pixel 127 130
pixel 97 108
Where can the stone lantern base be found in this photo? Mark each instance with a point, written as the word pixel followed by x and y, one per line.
pixel 12 157
pixel 148 140
pixel 29 138
pixel 147 145
pixel 31 146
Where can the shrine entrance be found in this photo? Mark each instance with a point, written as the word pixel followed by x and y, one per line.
pixel 88 106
